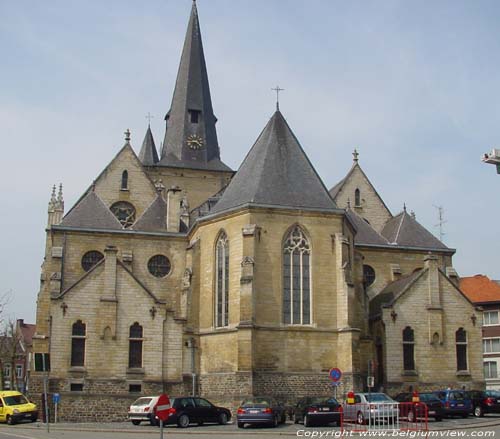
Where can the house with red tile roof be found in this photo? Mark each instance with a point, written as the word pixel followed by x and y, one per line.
pixel 484 292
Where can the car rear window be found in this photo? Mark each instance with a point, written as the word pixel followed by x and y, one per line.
pixel 493 393
pixel 323 400
pixel 377 397
pixel 428 397
pixel 15 400
pixel 256 402
pixel 456 395
pixel 141 402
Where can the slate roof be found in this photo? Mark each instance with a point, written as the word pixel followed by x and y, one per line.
pixel 480 289
pixel 365 234
pixel 391 293
pixel 192 92
pixel 148 154
pixel 91 213
pixel 276 172
pixel 154 217
pixel 405 231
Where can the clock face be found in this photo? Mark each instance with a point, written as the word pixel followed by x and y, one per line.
pixel 194 141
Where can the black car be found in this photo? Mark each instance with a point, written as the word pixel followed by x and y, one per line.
pixel 261 410
pixel 317 410
pixel 484 401
pixel 435 408
pixel 187 410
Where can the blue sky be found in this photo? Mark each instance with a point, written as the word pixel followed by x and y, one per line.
pixel 414 86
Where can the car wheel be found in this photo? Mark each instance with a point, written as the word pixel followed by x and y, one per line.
pixel 10 420
pixel 241 425
pixel 360 418
pixel 223 419
pixel 183 421
pixel 478 411
pixel 307 421
pixel 135 422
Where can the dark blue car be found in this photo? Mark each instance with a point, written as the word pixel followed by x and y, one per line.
pixel 455 402
pixel 261 410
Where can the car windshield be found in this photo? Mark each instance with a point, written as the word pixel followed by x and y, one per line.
pixel 141 402
pixel 323 400
pixel 15 400
pixel 493 393
pixel 256 402
pixel 377 397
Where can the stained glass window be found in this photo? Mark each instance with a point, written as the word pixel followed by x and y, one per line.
pixel 222 281
pixel 91 258
pixel 159 266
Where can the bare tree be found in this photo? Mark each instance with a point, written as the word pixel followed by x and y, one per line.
pixel 4 349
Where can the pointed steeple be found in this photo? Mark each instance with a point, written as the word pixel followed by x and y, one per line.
pixel 276 172
pixel 148 155
pixel 191 137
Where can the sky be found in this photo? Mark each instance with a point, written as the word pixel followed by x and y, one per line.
pixel 414 86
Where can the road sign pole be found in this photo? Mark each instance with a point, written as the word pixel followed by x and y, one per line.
pixel 45 379
pixel 161 428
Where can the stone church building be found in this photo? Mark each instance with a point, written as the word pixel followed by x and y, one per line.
pixel 175 273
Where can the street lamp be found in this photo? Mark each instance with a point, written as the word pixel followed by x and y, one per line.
pixel 493 158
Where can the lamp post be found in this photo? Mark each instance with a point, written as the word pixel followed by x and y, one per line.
pixel 492 158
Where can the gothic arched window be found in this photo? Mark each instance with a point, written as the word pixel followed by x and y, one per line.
pixel 296 278
pixel 125 213
pixel 408 349
pixel 357 197
pixel 124 180
pixel 78 332
pixel 135 346
pixel 222 281
pixel 461 345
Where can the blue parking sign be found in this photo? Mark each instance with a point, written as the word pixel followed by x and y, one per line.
pixel 56 397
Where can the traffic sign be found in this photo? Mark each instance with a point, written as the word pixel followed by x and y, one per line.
pixel 56 398
pixel 163 407
pixel 335 374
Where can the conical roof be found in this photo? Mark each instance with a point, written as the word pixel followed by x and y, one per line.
pixel 405 231
pixel 148 155
pixel 91 213
pixel 191 137
pixel 276 172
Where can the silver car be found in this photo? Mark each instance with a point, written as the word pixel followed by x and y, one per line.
pixel 372 408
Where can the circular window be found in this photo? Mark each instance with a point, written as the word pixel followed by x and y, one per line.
pixel 125 213
pixel 91 258
pixel 368 275
pixel 159 266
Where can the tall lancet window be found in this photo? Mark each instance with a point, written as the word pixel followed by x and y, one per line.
pixel 222 281
pixel 296 278
pixel 357 197
pixel 124 180
pixel 461 345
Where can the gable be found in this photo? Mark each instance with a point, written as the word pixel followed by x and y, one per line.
pixel 371 207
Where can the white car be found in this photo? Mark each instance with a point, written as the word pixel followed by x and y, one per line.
pixel 143 409
pixel 372 408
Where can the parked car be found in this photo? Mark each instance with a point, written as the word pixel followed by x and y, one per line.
pixel 373 408
pixel 484 401
pixel 186 410
pixel 143 409
pixel 261 410
pixel 14 406
pixel 455 402
pixel 435 408
pixel 317 410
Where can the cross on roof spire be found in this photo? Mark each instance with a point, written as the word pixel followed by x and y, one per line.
pixel 277 89
pixel 127 135
pixel 149 116
pixel 355 155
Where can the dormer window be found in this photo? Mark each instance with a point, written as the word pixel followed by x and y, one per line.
pixel 194 115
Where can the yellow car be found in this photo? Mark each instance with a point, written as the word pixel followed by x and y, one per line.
pixel 14 406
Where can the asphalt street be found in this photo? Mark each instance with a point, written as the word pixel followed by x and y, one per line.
pixel 472 427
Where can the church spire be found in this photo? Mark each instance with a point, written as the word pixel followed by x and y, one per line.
pixel 148 155
pixel 191 137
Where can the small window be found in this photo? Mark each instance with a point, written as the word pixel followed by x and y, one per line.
pixel 6 370
pixel 78 343
pixel 461 349
pixel 19 371
pixel 90 259
pixel 124 212
pixel 491 345
pixel 408 349
pixel 76 387
pixel 357 198
pixel 135 346
pixel 490 317
pixel 368 275
pixel 124 186
pixel 490 369
pixel 194 116
pixel 159 266
pixel 134 388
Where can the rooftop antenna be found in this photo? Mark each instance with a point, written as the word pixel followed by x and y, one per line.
pixel 441 222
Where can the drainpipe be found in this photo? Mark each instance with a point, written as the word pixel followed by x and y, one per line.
pixel 192 346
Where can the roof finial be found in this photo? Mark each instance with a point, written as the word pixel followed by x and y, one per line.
pixel 127 135
pixel 60 194
pixel 277 89
pixel 355 155
pixel 404 207
pixel 149 116
pixel 412 214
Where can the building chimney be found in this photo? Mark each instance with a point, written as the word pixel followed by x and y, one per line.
pixel 431 264
pixel 173 209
